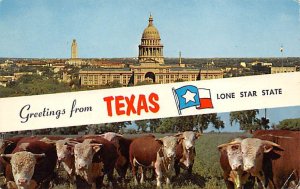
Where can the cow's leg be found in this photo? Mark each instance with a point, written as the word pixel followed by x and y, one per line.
pixel 190 169
pixel 134 168
pixel 158 174
pixel 99 182
pixel 177 168
pixel 11 185
pixel 73 181
pixel 110 176
pixel 168 181
pixel 143 173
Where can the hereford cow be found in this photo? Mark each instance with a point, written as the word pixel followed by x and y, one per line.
pixel 65 157
pixel 94 158
pixel 23 161
pixel 185 151
pixel 122 144
pixel 231 161
pixel 6 147
pixel 254 151
pixel 281 167
pixel 157 153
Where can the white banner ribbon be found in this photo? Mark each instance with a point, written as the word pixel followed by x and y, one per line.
pixel 149 101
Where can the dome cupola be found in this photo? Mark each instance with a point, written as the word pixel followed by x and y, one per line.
pixel 150 32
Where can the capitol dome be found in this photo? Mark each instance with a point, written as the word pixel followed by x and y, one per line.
pixel 150 32
pixel 151 49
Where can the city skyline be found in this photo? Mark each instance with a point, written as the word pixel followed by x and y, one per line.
pixel 106 29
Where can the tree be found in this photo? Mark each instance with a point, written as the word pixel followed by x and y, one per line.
pixel 247 119
pixel 204 120
pixel 114 84
pixel 289 124
pixel 154 124
pixel 142 125
pixel 166 125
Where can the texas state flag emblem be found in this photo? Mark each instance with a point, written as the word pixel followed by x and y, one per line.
pixel 190 96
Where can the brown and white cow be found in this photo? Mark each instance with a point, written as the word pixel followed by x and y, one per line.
pixel 6 147
pixel 122 144
pixel 23 161
pixel 185 151
pixel 281 167
pixel 231 161
pixel 157 153
pixel 253 152
pixel 65 157
pixel 94 158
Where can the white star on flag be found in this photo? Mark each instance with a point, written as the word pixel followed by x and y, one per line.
pixel 189 96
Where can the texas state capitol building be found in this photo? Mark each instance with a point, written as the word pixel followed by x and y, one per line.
pixel 150 66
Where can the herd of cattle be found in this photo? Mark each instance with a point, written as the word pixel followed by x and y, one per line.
pixel 270 158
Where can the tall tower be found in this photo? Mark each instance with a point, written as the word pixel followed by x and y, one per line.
pixel 150 49
pixel 74 50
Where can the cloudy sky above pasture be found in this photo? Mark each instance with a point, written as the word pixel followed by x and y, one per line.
pixel 113 28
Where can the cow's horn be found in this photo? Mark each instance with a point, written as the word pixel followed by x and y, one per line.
pixel 229 144
pixel 8 141
pixel 39 155
pixel 178 134
pixel 271 143
pixel 72 143
pixel 96 144
pixel 222 145
pixel 7 155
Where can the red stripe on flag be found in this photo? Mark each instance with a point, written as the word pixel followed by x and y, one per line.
pixel 205 103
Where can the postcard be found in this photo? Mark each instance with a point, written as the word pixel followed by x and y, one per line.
pixel 130 94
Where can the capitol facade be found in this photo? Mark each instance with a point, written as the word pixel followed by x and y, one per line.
pixel 150 67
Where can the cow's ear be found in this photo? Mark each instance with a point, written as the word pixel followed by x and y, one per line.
pixel 96 147
pixel 5 158
pixel 268 146
pixel 160 141
pixel 222 146
pixel 198 135
pixel 8 142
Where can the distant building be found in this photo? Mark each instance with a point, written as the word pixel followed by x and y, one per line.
pixel 150 66
pixel 74 55
pixel 243 64
pixel 4 80
pixel 17 75
pixel 283 69
pixel 74 50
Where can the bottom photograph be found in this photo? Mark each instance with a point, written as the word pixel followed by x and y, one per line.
pixel 179 152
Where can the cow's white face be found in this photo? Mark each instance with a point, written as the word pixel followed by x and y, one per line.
pixel 63 150
pixel 23 164
pixel 189 138
pixel 253 150
pixel 234 153
pixel 235 157
pixel 84 153
pixel 169 146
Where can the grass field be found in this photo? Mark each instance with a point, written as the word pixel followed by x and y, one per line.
pixel 207 172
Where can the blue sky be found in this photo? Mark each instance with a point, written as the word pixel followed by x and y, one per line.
pixel 113 28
